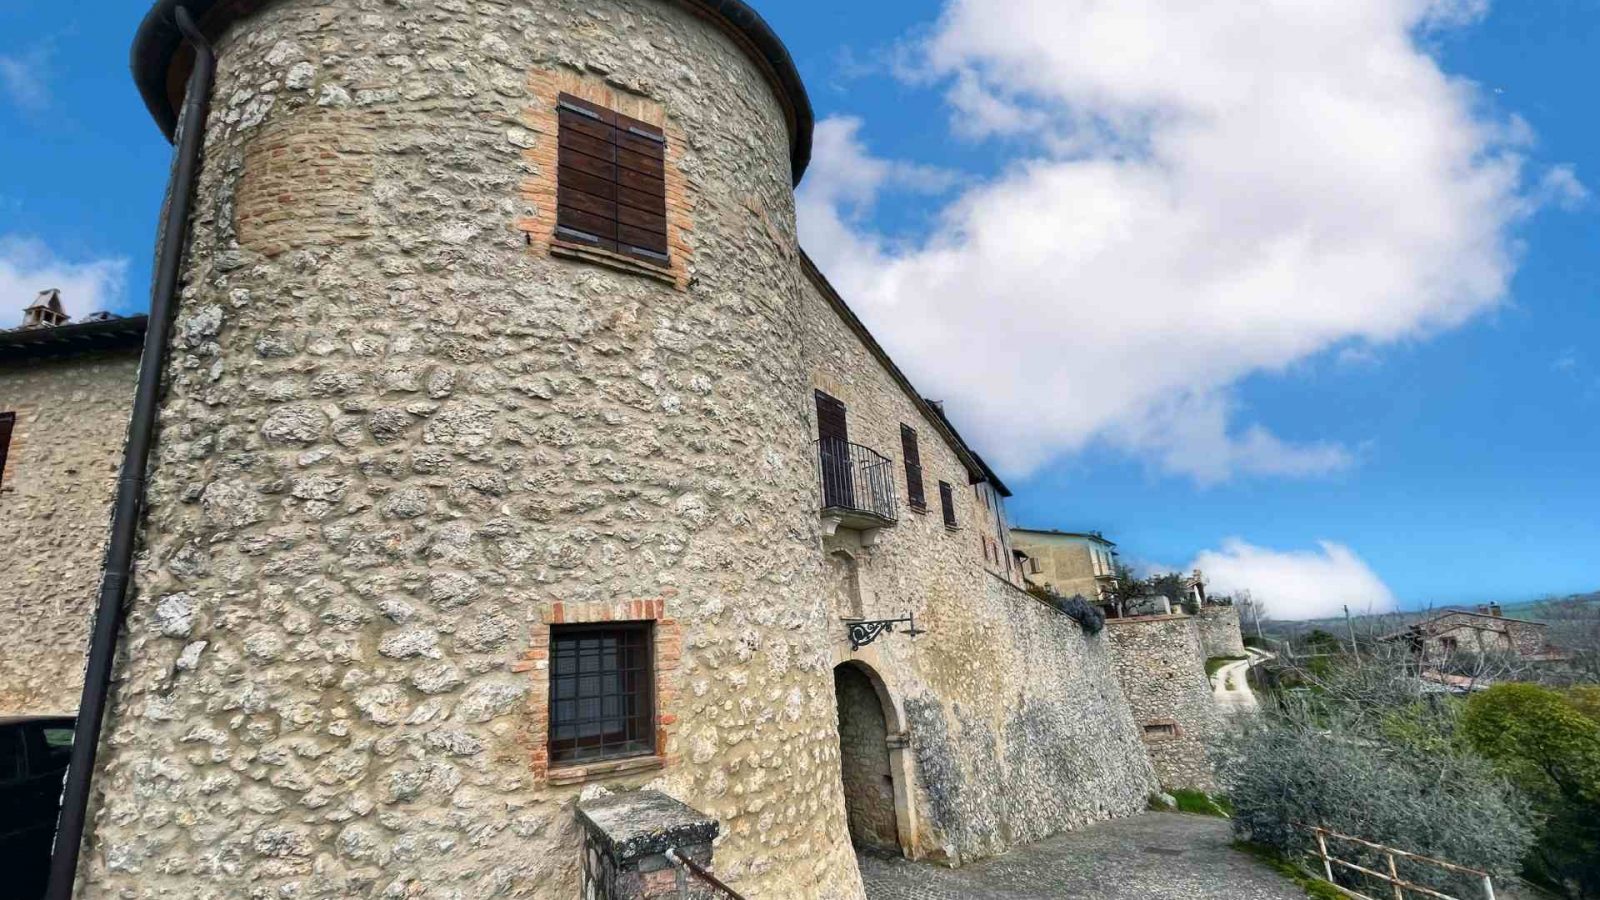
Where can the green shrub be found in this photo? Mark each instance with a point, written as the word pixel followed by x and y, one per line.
pixel 1327 771
pixel 1550 748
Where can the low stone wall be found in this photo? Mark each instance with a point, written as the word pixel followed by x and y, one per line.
pixel 1219 631
pixel 1160 661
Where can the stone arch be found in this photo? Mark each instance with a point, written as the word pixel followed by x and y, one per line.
pixel 874 760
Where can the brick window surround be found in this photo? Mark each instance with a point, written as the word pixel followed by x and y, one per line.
pixel 666 651
pixel 539 191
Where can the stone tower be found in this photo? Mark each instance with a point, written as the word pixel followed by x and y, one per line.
pixel 412 429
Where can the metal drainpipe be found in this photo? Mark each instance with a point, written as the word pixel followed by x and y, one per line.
pixel 135 460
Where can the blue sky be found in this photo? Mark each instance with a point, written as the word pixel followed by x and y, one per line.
pixel 1402 407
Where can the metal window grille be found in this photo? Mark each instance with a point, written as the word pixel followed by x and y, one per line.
pixel 601 697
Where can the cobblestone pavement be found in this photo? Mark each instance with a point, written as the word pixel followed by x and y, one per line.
pixel 1155 856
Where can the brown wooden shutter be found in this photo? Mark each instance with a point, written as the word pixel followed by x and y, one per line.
pixel 913 457
pixel 7 421
pixel 947 502
pixel 611 185
pixel 833 448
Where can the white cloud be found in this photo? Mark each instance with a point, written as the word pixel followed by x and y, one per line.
pixel 1296 584
pixel 1196 193
pixel 22 78
pixel 1560 186
pixel 27 267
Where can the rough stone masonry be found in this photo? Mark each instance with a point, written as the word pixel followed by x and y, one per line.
pixel 55 493
pixel 406 437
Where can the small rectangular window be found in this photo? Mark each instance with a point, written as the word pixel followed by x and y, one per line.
pixel 611 188
pixel 602 703
pixel 913 457
pixel 8 420
pixel 947 503
pixel 1157 730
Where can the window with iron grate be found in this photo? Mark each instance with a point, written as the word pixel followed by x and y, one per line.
pixel 602 703
pixel 611 187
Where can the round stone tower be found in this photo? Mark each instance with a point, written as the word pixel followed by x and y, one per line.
pixel 427 418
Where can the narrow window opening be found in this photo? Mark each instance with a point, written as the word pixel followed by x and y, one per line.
pixel 947 504
pixel 602 703
pixel 913 457
pixel 8 420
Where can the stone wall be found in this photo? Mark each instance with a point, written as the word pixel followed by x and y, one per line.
pixel 1482 634
pixel 404 440
pixel 1161 664
pixel 397 435
pixel 1006 723
pixel 1219 631
pixel 55 502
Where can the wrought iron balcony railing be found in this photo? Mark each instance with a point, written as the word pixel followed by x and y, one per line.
pixel 858 484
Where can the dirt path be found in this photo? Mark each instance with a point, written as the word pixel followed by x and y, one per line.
pixel 1230 685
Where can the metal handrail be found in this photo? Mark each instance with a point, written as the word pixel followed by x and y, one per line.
pixel 1399 885
pixel 688 867
pixel 853 477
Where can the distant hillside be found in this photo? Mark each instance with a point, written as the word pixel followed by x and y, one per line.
pixel 1382 623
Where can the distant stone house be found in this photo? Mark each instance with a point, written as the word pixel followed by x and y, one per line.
pixel 66 389
pixel 1483 631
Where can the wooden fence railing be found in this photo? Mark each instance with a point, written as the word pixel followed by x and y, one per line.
pixel 1398 885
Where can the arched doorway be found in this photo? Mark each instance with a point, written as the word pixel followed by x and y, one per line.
pixel 864 763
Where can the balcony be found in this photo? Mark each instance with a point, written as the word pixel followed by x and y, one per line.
pixel 858 488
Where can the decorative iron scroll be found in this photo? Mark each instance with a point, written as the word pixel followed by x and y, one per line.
pixel 865 632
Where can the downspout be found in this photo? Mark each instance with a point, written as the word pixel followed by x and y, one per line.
pixel 135 460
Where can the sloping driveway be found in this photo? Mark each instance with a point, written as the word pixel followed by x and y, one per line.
pixel 1155 856
pixel 1229 685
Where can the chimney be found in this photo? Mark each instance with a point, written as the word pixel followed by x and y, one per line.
pixel 45 311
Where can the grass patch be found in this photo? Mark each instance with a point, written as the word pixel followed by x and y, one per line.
pixel 1315 888
pixel 1199 802
pixel 1217 662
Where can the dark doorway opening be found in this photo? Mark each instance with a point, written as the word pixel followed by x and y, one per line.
pixel 864 761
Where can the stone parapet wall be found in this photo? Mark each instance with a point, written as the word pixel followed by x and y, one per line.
pixel 1160 662
pixel 1219 631
pixel 55 501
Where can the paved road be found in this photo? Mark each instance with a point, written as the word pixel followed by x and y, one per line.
pixel 1155 856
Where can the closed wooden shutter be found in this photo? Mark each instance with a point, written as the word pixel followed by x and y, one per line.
pixel 913 457
pixel 833 448
pixel 611 185
pixel 7 421
pixel 947 502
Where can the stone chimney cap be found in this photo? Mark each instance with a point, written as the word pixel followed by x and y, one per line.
pixel 50 299
pixel 45 311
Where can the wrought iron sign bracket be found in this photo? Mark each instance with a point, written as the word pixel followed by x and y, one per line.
pixel 866 631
